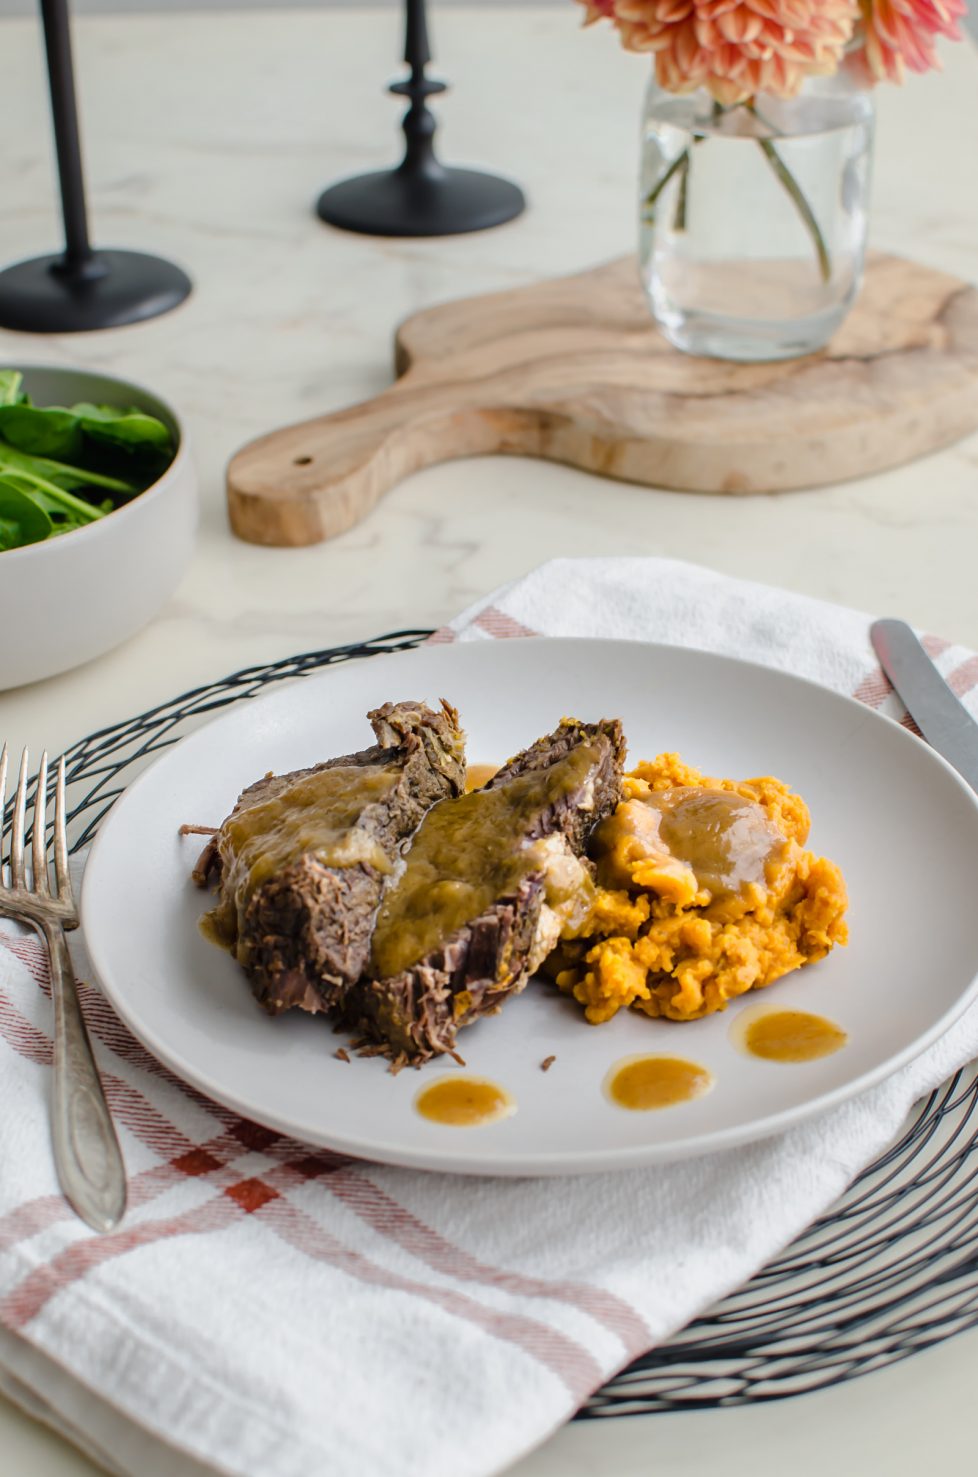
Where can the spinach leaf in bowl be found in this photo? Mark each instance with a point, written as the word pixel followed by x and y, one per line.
pixel 58 476
pixel 10 383
pixel 133 429
pixel 41 432
pixel 55 432
pixel 22 519
pixel 72 465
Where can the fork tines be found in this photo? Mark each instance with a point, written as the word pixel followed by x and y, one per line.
pixel 40 881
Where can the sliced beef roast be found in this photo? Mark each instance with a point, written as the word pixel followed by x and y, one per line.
pixel 302 860
pixel 489 882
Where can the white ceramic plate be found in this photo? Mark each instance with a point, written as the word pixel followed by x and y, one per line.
pixel 900 822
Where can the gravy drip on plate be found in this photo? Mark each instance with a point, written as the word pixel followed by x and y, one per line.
pixel 464 1102
pixel 792 1036
pixel 645 1082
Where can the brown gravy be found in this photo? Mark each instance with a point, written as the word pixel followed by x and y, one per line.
pixel 792 1036
pixel 726 841
pixel 645 1082
pixel 214 928
pixel 465 854
pixel 464 1102
pixel 477 775
pixel 318 813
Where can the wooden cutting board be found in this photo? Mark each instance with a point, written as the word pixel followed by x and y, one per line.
pixel 574 370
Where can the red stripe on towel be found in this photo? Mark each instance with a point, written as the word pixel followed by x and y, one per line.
pixel 496 623
pixel 255 1198
pixel 390 1218
pixel 964 677
pixel 562 1355
pixel 81 1257
pixel 876 687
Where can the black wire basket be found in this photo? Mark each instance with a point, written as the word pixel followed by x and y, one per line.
pixel 891 1269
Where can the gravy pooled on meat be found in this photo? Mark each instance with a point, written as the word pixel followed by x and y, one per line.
pixel 490 882
pixel 469 852
pixel 316 816
pixel 302 860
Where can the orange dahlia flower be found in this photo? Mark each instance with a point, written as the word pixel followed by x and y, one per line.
pixel 902 33
pixel 736 48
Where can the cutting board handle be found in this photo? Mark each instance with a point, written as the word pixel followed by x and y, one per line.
pixel 574 370
pixel 315 480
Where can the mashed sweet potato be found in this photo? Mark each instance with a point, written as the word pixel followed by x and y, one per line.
pixel 705 890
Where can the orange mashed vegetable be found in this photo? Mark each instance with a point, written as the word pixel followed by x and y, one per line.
pixel 705 891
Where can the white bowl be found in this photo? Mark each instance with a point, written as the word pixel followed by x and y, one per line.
pixel 71 598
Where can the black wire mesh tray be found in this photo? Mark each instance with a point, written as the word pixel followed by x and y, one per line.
pixel 890 1270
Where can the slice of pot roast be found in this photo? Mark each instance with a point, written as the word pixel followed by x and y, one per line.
pixel 489 883
pixel 302 860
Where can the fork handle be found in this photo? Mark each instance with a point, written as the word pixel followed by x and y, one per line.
pixel 86 1151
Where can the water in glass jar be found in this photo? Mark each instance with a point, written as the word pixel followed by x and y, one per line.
pixel 753 219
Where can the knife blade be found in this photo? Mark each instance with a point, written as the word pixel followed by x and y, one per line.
pixel 944 722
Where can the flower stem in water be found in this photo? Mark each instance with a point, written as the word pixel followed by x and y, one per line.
pixel 679 219
pixel 681 161
pixel 681 166
pixel 794 190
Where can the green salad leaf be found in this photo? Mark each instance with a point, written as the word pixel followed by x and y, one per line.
pixel 133 429
pixel 41 432
pixel 63 467
pixel 53 432
pixel 10 383
pixel 22 520
pixel 59 474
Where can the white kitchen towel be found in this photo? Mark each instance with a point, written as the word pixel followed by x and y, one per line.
pixel 275 1311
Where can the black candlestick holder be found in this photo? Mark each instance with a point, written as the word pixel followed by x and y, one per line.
pixel 421 197
pixel 81 288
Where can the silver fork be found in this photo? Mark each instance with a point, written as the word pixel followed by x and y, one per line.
pixel 86 1150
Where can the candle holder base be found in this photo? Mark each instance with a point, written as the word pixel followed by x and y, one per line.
pixel 46 294
pixel 432 202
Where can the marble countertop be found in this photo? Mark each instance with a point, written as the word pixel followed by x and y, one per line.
pixel 233 122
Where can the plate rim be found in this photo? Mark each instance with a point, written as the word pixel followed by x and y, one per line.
pixel 436 1160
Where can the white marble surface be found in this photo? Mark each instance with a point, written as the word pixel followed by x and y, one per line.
pixel 208 138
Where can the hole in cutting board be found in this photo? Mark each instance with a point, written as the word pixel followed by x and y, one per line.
pixel 302 461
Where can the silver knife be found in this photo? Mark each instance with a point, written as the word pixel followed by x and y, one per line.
pixel 945 722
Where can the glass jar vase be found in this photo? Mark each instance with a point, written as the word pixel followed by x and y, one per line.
pixel 753 217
